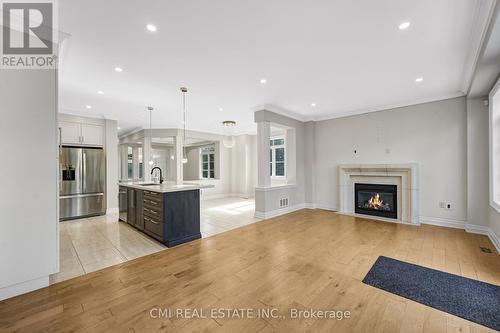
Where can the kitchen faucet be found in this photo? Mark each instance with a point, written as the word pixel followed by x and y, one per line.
pixel 161 177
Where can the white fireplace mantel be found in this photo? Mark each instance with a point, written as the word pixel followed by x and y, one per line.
pixel 405 176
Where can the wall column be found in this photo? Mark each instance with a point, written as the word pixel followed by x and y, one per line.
pixel 147 156
pixel 123 162
pixel 179 167
pixel 263 159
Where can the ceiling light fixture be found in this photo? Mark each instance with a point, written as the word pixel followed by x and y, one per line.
pixel 419 79
pixel 118 128
pixel 151 28
pixel 100 92
pixel 263 81
pixel 118 69
pixel 88 106
pixel 313 105
pixel 228 141
pixel 404 25
pixel 184 155
pixel 221 109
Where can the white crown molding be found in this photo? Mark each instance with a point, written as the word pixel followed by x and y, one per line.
pixel 279 110
pixel 386 107
pixel 479 33
pixel 335 115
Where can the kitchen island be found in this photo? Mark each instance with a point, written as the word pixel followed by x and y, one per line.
pixel 170 213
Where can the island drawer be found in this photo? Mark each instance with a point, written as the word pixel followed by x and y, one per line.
pixel 153 227
pixel 154 204
pixel 153 213
pixel 153 195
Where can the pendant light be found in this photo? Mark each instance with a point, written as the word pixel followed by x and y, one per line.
pixel 184 156
pixel 150 109
pixel 228 141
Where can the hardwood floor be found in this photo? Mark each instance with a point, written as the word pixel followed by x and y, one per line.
pixel 90 244
pixel 308 259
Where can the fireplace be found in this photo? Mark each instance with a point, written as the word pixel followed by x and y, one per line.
pixel 376 199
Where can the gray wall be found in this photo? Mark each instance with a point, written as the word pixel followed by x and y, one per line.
pixel 477 163
pixel 479 211
pixel 267 201
pixel 112 165
pixel 432 135
pixel 29 236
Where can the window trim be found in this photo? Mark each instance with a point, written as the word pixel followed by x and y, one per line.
pixel 273 161
pixel 494 162
pixel 201 162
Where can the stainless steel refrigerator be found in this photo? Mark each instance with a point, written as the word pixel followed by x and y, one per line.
pixel 82 182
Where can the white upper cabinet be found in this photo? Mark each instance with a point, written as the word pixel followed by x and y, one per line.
pixel 92 135
pixel 70 132
pixel 74 133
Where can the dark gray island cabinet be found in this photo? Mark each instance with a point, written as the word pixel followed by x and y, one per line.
pixel 171 217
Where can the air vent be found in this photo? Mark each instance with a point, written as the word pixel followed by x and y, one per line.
pixel 283 202
pixel 486 250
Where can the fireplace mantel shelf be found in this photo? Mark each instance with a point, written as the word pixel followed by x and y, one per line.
pixel 404 175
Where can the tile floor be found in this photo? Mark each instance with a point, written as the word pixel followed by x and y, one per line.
pixel 90 244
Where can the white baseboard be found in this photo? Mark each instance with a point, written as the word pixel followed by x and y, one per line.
pixel 494 239
pixel 477 229
pixel 471 228
pixel 483 230
pixel 325 207
pixel 441 222
pixel 278 212
pixel 23 287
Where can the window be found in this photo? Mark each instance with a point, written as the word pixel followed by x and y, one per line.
pixel 277 157
pixel 130 163
pixel 141 164
pixel 495 147
pixel 207 162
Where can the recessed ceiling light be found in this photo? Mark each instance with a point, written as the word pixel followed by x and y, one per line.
pixel 404 25
pixel 419 79
pixel 221 109
pixel 88 106
pixel 313 104
pixel 263 81
pixel 151 28
pixel 119 69
pixel 118 128
pixel 100 92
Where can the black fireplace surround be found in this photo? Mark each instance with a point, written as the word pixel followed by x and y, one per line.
pixel 376 199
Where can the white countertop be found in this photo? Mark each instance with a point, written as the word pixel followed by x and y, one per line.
pixel 165 187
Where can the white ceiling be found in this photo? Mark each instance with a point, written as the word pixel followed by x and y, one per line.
pixel 346 56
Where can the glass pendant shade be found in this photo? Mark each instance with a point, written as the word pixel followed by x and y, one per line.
pixel 229 141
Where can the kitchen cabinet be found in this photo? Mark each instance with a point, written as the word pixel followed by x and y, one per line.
pixel 131 207
pixel 75 133
pixel 132 210
pixel 70 132
pixel 92 134
pixel 172 218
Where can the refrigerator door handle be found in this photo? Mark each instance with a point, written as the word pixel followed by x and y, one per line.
pixel 84 171
pixel 81 195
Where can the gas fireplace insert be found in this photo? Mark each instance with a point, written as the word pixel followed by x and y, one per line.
pixel 376 199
